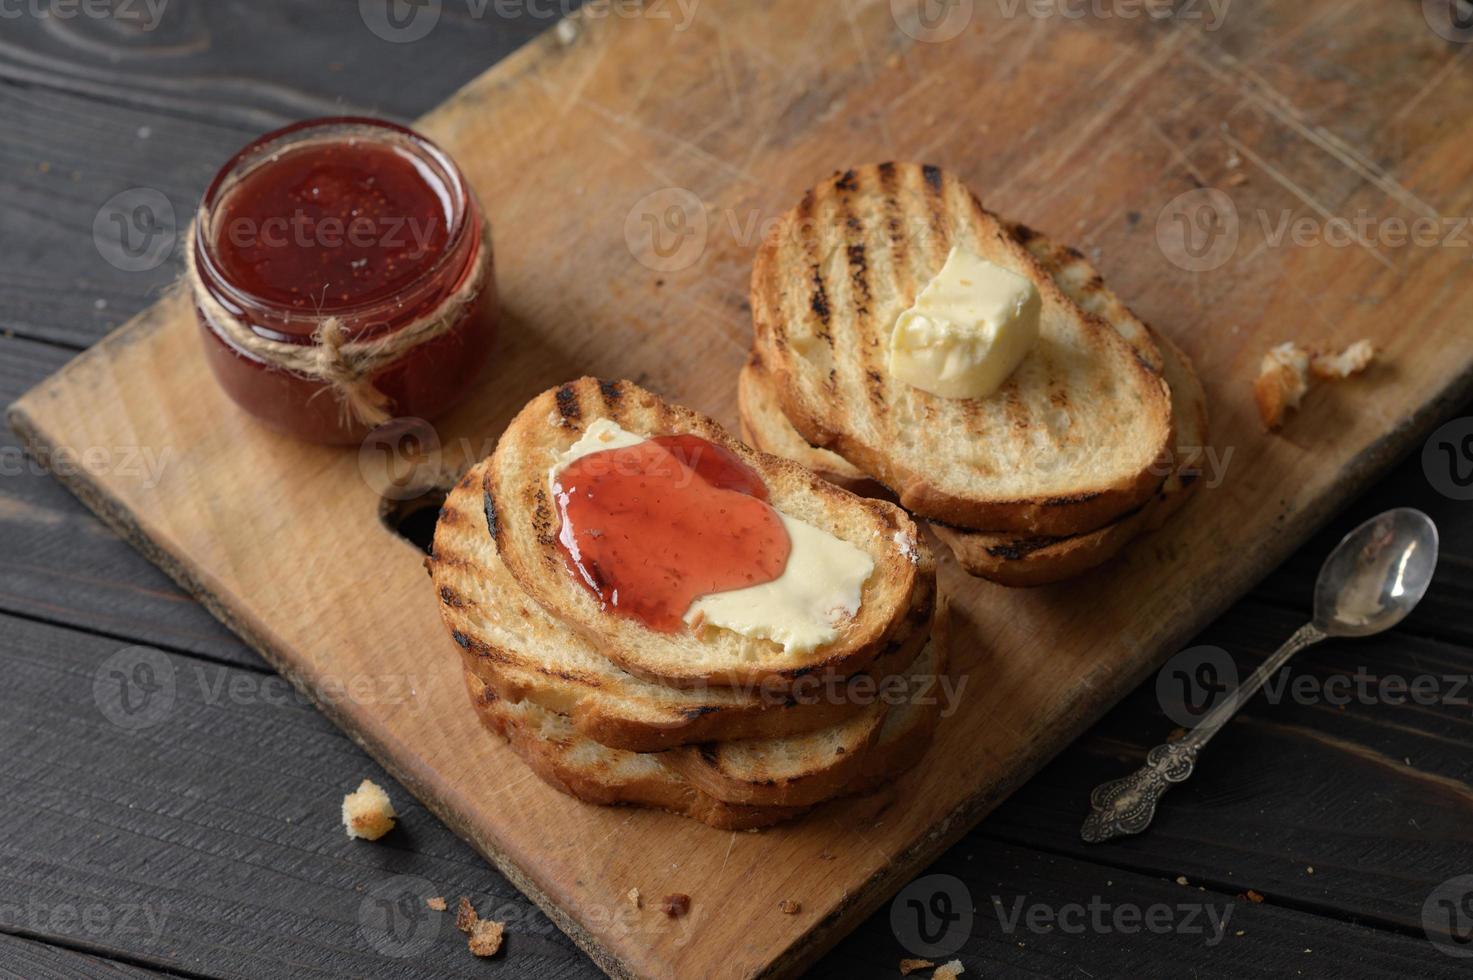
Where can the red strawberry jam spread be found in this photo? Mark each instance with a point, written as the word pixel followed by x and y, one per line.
pixel 650 528
pixel 329 225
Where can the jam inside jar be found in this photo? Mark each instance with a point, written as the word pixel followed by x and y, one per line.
pixel 361 223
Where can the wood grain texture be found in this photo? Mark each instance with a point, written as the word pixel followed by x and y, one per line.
pixel 172 102
pixel 783 112
pixel 206 843
pixel 201 832
pixel 1381 779
pixel 59 564
pixel 22 959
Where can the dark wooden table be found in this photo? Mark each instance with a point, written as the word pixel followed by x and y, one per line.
pixel 208 845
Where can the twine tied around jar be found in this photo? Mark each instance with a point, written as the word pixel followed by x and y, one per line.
pixel 345 366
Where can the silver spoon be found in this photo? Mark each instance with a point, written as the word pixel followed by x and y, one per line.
pixel 1374 577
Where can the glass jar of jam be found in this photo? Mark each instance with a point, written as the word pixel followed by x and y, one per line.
pixel 342 275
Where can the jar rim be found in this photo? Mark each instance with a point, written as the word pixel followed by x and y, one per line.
pixel 328 129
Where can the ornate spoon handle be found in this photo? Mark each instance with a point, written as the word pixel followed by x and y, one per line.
pixel 1126 806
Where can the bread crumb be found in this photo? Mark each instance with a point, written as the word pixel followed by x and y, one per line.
pixel 907 967
pixel 949 971
pixel 367 812
pixel 485 938
pixel 484 935
pixel 437 903
pixel 1181 879
pixel 465 915
pixel 1352 360
pixel 1254 897
pixel 789 907
pixel 1283 378
pixel 1285 372
pixel 635 898
pixel 675 905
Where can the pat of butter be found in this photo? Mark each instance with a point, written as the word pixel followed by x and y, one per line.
pixel 968 330
pixel 802 608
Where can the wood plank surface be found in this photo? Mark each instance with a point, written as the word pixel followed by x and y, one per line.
pixel 775 196
pixel 206 843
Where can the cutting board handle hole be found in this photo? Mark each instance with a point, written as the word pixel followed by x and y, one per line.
pixel 413 518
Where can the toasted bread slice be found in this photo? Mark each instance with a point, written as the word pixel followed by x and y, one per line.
pixel 582 768
pixel 804 769
pixel 521 652
pixel 910 725
pixel 1071 441
pixel 765 427
pixel 524 522
pixel 1029 561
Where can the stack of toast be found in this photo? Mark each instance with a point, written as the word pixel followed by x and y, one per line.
pixel 728 729
pixel 1094 438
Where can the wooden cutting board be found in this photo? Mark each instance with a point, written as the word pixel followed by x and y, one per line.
pixel 631 166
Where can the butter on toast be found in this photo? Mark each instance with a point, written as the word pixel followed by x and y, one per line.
pixel 524 523
pixel 1028 560
pixel 581 767
pixel 1071 441
pixel 514 646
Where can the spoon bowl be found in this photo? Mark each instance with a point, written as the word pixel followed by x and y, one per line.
pixel 1377 574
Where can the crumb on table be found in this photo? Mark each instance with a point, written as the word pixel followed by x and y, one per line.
pixel 949 971
pixel 367 812
pixel 485 937
pixel 437 903
pixel 675 905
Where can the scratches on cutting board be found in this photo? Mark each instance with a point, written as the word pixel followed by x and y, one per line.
pixel 1258 91
pixel 1286 182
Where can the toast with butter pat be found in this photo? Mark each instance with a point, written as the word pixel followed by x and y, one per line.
pixel 1029 560
pixel 1073 439
pixel 802 769
pixel 522 653
pixel 870 548
pixel 581 767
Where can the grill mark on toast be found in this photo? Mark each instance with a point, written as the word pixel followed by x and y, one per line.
pixel 612 392
pixel 857 299
pixel 859 275
pixel 454 600
pixel 488 504
pixel 846 181
pixel 542 518
pixel 567 405
pixel 1020 548
pixel 818 302
pixel 932 175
